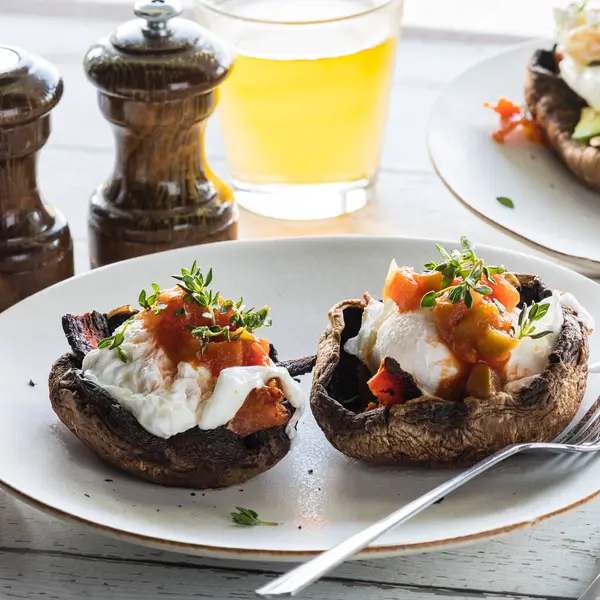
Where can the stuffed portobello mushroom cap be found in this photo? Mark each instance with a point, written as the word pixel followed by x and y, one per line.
pixel 431 431
pixel 557 110
pixel 196 458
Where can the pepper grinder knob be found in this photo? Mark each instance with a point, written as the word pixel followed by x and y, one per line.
pixel 157 14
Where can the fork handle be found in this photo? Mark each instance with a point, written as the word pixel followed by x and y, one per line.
pixel 302 576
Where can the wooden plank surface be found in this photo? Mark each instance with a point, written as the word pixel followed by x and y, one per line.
pixel 41 557
pixel 555 559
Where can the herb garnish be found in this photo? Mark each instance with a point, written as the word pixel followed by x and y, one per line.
pixel 114 343
pixel 195 284
pixel 527 318
pixel 465 264
pixel 147 301
pixel 506 201
pixel 248 518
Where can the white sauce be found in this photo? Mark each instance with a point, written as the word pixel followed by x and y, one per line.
pixel 530 357
pixel 373 317
pixel 234 385
pixel 167 400
pixel 583 316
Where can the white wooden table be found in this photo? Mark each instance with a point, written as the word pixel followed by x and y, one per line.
pixel 41 557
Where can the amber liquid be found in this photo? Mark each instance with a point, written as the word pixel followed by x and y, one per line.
pixel 307 121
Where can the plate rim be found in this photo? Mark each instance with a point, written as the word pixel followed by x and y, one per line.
pixel 277 555
pixel 268 554
pixel 584 264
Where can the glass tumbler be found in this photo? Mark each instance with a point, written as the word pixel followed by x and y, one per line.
pixel 303 113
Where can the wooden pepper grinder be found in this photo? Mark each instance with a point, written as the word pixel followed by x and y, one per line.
pixel 157 77
pixel 36 249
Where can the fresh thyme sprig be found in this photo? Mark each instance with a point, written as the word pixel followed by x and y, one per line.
pixel 250 319
pixel 248 518
pixel 528 316
pixel 147 301
pixel 465 264
pixel 205 334
pixel 114 342
pixel 195 285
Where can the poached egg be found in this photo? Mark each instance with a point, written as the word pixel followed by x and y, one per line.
pixel 583 80
pixel 413 340
pixel 578 36
pixel 166 398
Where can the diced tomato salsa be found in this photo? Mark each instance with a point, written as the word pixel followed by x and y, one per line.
pixel 511 118
pixel 407 288
pixel 237 353
pixel 481 333
pixel 505 108
pixel 387 388
pixel 262 409
pixel 170 328
pixel 402 287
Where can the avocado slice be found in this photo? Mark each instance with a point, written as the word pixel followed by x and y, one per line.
pixel 588 126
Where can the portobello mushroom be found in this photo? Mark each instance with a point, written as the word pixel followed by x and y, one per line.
pixel 196 458
pixel 557 110
pixel 432 431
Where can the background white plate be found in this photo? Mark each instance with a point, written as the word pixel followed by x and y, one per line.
pixel 552 209
pixel 315 487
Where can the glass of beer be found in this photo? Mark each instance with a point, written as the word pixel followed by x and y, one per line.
pixel 303 113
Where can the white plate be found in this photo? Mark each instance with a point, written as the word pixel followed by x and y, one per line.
pixel 314 487
pixel 552 210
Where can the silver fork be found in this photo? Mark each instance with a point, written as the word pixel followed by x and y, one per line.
pixel 584 439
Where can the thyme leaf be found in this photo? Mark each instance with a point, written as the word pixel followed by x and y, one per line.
pixel 249 518
pixel 462 264
pixel 195 285
pixel 114 342
pixel 527 318
pixel 506 201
